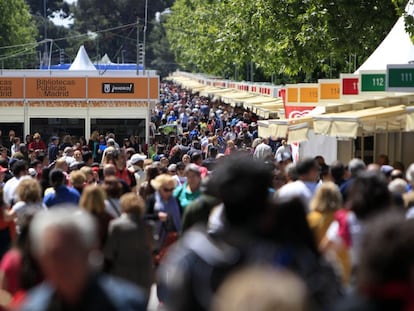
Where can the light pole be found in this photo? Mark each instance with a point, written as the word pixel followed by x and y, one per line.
pixel 144 41
pixel 45 30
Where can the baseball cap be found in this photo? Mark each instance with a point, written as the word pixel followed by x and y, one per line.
pixel 137 157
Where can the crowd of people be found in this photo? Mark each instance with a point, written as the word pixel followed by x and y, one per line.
pixel 216 216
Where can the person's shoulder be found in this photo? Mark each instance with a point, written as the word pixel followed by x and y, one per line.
pixel 124 295
pixel 178 190
pixel 19 206
pixel 38 299
pixel 74 191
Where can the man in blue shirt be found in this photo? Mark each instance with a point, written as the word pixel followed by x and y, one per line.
pixel 62 193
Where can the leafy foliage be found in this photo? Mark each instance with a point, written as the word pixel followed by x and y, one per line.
pixel 300 40
pixel 96 15
pixel 16 28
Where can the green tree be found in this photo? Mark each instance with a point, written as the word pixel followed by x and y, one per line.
pixel 97 15
pixel 17 34
pixel 295 39
pixel 163 59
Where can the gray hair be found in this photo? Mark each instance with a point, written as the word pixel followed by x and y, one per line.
pixel 410 173
pixel 355 166
pixel 64 218
pixel 398 186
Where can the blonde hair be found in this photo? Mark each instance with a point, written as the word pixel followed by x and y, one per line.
pixel 255 288
pixel 94 135
pixel 87 170
pixel 29 191
pixel 93 199
pixel 132 203
pixel 162 180
pixel 77 178
pixel 60 163
pixel 327 198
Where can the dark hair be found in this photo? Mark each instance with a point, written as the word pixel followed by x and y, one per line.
pixel 196 156
pixel 242 184
pixel 290 226
pixel 34 163
pixel 86 156
pixel 213 152
pixel 112 187
pixel 45 182
pixel 369 194
pixel 304 166
pixel 180 166
pixel 56 178
pixel 337 171
pixel 387 251
pixel 18 167
pixel 4 163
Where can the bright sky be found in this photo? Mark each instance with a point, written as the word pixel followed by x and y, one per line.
pixel 63 21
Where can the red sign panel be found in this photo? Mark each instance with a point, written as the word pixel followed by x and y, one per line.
pixel 350 86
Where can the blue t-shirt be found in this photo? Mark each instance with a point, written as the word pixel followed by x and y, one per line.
pixel 62 195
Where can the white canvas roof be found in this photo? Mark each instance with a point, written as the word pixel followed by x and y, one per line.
pixel 82 61
pixel 106 60
pixel 397 47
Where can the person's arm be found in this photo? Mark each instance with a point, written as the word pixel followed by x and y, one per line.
pixel 9 215
pixel 110 248
pixel 149 209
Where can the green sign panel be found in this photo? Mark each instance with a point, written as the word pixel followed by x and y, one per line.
pixel 373 82
pixel 401 78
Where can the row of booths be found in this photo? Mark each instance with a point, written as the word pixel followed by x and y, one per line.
pixel 331 118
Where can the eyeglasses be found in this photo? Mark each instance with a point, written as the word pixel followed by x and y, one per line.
pixel 168 189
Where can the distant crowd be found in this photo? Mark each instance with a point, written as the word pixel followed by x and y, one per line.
pixel 216 216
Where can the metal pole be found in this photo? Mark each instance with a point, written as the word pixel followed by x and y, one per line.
pixel 50 54
pixel 45 19
pixel 145 34
pixel 137 46
pixel 45 29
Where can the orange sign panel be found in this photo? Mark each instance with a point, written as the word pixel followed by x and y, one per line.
pixel 11 88
pixel 309 94
pixel 43 88
pixel 123 88
pixel 292 95
pixel 330 90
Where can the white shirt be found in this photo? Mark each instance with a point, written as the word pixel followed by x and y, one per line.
pixel 356 231
pixel 296 189
pixel 262 151
pixel 283 149
pixel 9 190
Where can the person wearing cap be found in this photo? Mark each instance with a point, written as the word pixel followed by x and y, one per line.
pixel 190 191
pixel 53 150
pixel 137 167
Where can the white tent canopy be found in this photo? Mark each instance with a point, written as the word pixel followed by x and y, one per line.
pixel 106 60
pixel 82 61
pixel 396 48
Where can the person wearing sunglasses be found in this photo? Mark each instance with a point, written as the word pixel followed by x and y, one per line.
pixel 163 209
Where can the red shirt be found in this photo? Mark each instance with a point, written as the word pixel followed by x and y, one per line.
pixel 40 145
